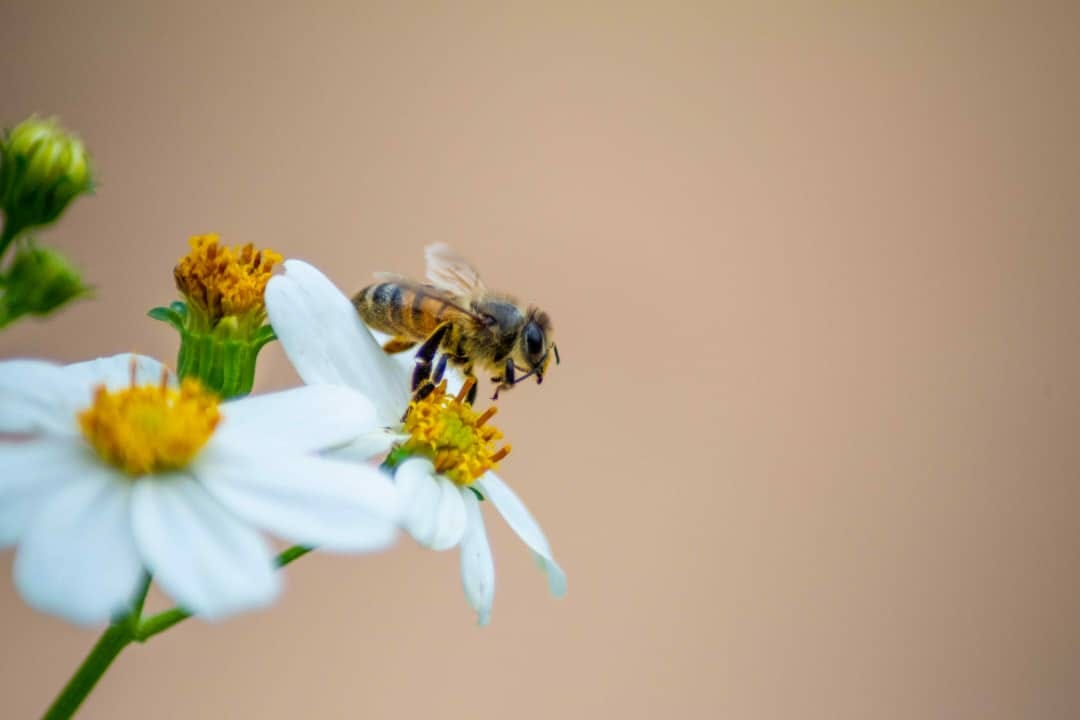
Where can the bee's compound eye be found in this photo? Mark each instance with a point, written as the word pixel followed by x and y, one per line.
pixel 534 340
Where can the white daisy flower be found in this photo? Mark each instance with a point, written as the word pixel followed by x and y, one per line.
pixel 126 472
pixel 445 451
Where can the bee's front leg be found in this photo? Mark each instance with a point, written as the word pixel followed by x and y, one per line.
pixel 506 381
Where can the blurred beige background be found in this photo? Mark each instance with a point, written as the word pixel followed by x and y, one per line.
pixel 812 451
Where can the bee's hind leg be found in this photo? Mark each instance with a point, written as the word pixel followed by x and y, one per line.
pixel 440 369
pixel 422 383
pixel 427 386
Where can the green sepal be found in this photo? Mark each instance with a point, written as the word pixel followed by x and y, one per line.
pixel 263 335
pixel 395 457
pixel 221 356
pixel 168 315
pixel 225 366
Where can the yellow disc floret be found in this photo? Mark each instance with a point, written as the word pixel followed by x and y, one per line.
pixel 223 281
pixel 446 429
pixel 150 428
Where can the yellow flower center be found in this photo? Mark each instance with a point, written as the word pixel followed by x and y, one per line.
pixel 446 429
pixel 150 428
pixel 224 281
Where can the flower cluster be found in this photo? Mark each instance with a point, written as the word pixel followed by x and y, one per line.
pixel 119 472
pixel 124 468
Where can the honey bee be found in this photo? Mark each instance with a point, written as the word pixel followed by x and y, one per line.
pixel 461 320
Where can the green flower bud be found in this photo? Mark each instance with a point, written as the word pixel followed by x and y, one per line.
pixel 42 169
pixel 39 281
pixel 222 318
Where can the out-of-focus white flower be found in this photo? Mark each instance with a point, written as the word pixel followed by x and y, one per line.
pixel 126 472
pixel 444 453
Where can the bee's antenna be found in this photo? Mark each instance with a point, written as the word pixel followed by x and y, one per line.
pixel 555 348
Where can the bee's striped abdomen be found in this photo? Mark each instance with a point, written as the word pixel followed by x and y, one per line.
pixel 379 306
pixel 401 310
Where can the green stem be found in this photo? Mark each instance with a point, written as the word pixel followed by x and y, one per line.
pixel 114 639
pixel 122 633
pixel 159 623
pixel 140 599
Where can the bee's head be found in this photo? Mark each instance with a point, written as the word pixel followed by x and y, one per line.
pixel 536 345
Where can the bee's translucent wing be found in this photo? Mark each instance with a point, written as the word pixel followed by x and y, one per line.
pixel 447 297
pixel 394 277
pixel 450 272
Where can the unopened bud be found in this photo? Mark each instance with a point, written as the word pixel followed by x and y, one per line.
pixel 39 281
pixel 42 169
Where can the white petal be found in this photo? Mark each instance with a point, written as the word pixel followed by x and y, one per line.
pixel 521 522
pixel 77 559
pixel 306 419
pixel 307 500
pixel 327 343
pixel 477 565
pixel 30 472
pixel 207 559
pixel 38 396
pixel 382 338
pixel 369 445
pixel 432 508
pixel 115 371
